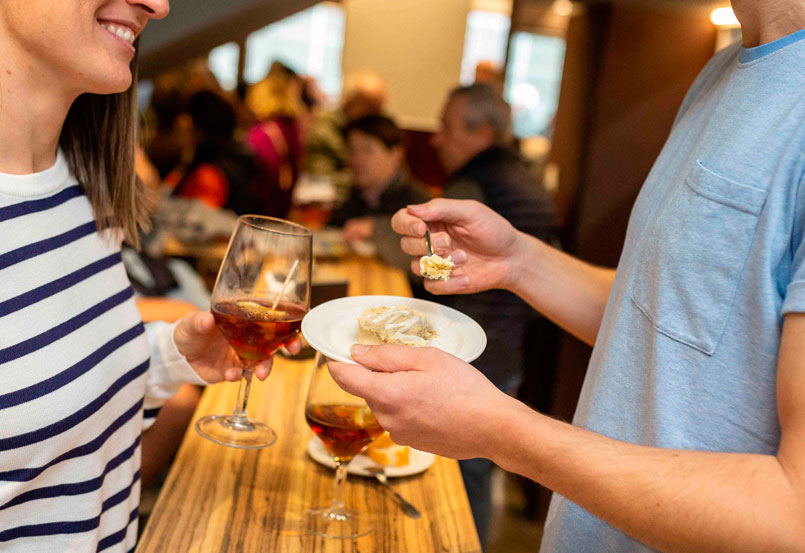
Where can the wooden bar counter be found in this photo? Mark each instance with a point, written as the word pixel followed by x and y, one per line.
pixel 220 499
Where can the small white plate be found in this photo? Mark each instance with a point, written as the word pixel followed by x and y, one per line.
pixel 420 461
pixel 332 327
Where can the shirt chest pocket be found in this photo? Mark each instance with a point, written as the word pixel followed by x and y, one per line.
pixel 693 256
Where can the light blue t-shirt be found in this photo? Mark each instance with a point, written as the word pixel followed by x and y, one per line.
pixel 714 258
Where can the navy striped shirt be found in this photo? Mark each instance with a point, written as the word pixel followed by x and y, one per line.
pixel 80 375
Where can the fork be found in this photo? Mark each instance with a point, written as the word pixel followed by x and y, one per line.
pixel 380 474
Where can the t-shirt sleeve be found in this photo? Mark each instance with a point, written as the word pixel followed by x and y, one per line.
pixel 168 370
pixel 794 301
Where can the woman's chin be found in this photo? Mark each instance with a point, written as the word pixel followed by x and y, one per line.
pixel 114 85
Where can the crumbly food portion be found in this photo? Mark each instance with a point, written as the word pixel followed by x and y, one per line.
pixel 386 453
pixel 394 325
pixel 436 267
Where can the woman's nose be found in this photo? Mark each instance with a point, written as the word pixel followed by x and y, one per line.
pixel 155 9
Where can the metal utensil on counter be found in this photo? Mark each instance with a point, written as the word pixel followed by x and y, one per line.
pixel 380 474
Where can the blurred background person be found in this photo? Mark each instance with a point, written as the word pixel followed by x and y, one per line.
pixel 166 129
pixel 475 146
pixel 382 186
pixel 222 171
pixel 364 93
pixel 276 138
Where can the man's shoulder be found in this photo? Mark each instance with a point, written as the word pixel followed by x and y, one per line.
pixel 707 78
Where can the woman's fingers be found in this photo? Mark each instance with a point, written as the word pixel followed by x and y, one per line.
pixel 262 370
pixel 294 347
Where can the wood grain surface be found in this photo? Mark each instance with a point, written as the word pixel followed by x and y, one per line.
pixel 221 499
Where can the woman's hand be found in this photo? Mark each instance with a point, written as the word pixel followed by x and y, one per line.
pixel 205 348
pixel 359 229
pixel 426 398
pixel 482 243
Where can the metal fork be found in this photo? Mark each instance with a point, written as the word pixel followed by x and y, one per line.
pixel 428 242
pixel 380 474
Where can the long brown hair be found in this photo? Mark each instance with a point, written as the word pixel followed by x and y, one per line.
pixel 99 138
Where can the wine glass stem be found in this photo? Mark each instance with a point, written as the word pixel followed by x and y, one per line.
pixel 243 395
pixel 338 488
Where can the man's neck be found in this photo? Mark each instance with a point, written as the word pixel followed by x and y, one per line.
pixel 764 21
pixel 33 108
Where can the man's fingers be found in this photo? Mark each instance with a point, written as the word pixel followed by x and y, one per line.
pixel 441 242
pixel 456 284
pixel 355 379
pixel 413 246
pixel 444 211
pixel 405 224
pixel 459 257
pixel 391 357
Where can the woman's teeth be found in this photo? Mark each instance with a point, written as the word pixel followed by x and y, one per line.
pixel 123 32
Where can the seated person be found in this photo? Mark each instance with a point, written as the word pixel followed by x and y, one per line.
pixel 381 187
pixel 276 138
pixel 222 172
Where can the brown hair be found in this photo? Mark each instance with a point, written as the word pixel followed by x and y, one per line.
pixel 99 138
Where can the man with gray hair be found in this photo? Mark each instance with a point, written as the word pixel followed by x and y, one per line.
pixel 475 146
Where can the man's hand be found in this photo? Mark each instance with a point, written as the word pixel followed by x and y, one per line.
pixel 199 340
pixel 424 397
pixel 359 229
pixel 483 244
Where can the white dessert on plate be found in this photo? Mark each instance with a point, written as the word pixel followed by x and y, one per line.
pixel 394 325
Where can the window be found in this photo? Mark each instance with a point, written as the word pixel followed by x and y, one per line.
pixel 310 42
pixel 533 77
pixel 224 64
pixel 485 40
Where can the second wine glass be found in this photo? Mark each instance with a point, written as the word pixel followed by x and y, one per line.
pixel 260 296
pixel 346 426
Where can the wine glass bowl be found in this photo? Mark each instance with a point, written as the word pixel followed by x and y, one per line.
pixel 260 297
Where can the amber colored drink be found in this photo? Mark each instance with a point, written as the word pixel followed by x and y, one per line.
pixel 346 430
pixel 254 329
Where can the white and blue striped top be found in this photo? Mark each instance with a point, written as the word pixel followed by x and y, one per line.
pixel 80 375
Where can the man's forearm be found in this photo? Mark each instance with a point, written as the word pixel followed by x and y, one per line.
pixel 570 292
pixel 671 500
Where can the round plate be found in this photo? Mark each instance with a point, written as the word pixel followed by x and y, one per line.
pixel 332 327
pixel 420 461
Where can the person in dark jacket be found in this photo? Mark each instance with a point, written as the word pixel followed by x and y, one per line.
pixel 474 144
pixel 381 187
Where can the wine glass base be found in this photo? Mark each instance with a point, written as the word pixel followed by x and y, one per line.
pixel 236 432
pixel 340 523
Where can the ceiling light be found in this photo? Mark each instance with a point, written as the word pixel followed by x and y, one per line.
pixel 562 7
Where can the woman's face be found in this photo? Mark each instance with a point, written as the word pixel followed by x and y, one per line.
pixel 373 164
pixel 85 45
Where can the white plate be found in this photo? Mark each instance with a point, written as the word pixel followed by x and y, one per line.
pixel 420 461
pixel 332 327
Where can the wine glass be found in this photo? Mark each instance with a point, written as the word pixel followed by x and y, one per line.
pixel 260 296
pixel 346 426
